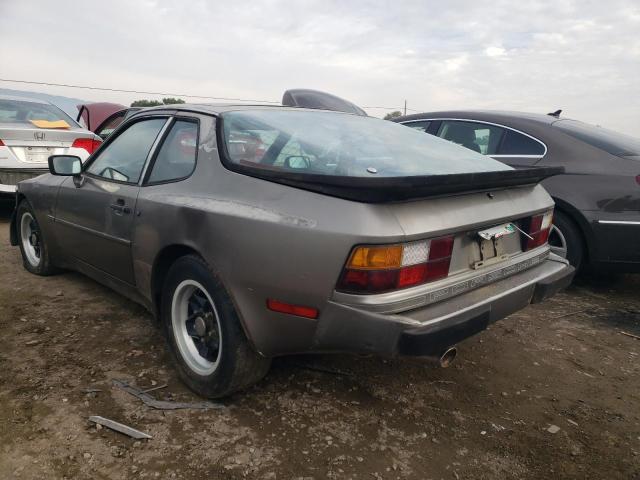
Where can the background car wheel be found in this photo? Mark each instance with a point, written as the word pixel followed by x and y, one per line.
pixel 35 254
pixel 211 351
pixel 565 239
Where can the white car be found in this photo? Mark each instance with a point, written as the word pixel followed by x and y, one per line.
pixel 30 131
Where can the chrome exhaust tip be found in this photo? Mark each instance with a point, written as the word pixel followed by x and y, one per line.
pixel 448 357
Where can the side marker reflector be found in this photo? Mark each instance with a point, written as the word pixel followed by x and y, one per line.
pixel 299 310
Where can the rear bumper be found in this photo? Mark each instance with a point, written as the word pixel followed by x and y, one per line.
pixel 431 329
pixel 9 177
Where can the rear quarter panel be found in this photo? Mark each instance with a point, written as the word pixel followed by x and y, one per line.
pixel 264 239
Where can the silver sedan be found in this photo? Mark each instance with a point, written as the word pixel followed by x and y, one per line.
pixel 31 130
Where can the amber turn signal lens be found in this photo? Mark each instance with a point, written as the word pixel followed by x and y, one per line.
pixel 376 258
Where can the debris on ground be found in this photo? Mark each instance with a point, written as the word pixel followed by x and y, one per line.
pixel 163 404
pixel 119 427
pixel 153 389
pixel 331 371
pixel 91 390
pixel 553 429
pixel 630 335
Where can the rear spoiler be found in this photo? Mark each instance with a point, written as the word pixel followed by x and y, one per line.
pixel 398 189
pixel 307 98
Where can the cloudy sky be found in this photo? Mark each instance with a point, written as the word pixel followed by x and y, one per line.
pixel 579 55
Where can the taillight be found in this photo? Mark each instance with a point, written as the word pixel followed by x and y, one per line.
pixel 1 144
pixel 377 269
pixel 89 144
pixel 538 230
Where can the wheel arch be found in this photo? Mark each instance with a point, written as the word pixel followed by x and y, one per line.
pixel 13 228
pixel 581 222
pixel 161 265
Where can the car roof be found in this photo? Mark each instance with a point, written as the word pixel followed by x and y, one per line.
pixel 498 116
pixel 24 99
pixel 218 108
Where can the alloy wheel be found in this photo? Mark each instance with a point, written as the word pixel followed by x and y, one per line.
pixel 196 327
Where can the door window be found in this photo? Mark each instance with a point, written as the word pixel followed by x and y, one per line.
pixel 177 156
pixel 517 144
pixel 123 159
pixel 478 137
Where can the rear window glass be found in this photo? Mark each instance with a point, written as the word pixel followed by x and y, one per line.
pixel 607 140
pixel 330 143
pixel 21 111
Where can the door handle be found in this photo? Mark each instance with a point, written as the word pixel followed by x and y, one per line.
pixel 119 207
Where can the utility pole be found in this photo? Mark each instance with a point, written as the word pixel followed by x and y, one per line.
pixel 405 107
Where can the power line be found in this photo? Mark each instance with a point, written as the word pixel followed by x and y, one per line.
pixel 137 91
pixel 118 90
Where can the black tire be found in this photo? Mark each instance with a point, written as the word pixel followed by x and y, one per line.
pixel 573 238
pixel 238 366
pixel 36 243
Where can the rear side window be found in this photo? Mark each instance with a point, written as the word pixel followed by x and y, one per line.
pixel 611 142
pixel 479 137
pixel 421 126
pixel 516 144
pixel 177 156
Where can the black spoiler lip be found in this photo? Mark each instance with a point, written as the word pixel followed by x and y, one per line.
pixel 398 189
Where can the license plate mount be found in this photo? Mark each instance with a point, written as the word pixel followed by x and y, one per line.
pixel 37 154
pixel 491 244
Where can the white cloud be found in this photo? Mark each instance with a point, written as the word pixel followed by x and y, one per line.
pixel 495 51
pixel 579 55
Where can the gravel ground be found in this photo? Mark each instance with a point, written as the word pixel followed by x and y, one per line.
pixel 563 366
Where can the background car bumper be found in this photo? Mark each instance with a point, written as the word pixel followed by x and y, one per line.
pixel 9 177
pixel 429 330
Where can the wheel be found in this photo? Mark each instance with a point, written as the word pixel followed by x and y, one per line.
pixel 212 353
pixel 35 254
pixel 565 239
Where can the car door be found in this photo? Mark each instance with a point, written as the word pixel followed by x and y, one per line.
pixel 94 211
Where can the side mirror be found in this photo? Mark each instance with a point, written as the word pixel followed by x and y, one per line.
pixel 65 165
pixel 297 162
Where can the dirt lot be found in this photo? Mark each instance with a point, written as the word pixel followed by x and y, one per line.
pixel 562 363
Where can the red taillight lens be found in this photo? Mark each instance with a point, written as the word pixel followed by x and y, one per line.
pixel 1 144
pixel 299 310
pixel 377 269
pixel 89 144
pixel 538 230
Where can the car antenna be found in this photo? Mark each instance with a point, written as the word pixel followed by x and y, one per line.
pixel 555 114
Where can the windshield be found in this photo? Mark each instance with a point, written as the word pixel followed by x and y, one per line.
pixel 22 111
pixel 612 142
pixel 330 143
